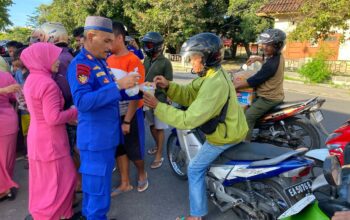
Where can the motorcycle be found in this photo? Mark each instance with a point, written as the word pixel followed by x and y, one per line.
pixel 338 140
pixel 255 180
pixel 292 124
pixel 339 182
pixel 289 124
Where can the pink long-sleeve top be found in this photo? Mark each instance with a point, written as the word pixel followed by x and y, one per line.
pixel 8 116
pixel 47 135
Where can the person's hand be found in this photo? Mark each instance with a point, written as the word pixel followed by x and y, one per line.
pixel 253 59
pixel 149 100
pixel 134 44
pixel 128 81
pixel 344 215
pixel 161 82
pixel 125 128
pixel 12 88
pixel 73 122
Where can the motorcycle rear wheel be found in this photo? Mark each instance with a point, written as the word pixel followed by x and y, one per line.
pixel 266 191
pixel 176 157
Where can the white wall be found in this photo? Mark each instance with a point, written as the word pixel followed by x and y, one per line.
pixel 284 24
pixel 344 48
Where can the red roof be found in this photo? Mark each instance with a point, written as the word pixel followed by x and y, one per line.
pixel 280 7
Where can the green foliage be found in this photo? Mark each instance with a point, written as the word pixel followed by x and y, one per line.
pixel 317 70
pixel 20 34
pixel 4 14
pixel 175 20
pixel 246 25
pixel 72 13
pixel 319 18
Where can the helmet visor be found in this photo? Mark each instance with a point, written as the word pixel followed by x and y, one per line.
pixel 148 45
pixel 187 56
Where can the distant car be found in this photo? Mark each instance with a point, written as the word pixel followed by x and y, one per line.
pixel 338 140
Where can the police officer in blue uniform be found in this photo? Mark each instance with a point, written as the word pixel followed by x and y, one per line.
pixel 96 95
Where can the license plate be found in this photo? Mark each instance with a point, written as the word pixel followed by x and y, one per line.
pixel 318 116
pixel 302 188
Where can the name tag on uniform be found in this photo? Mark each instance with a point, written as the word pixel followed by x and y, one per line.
pixel 99 74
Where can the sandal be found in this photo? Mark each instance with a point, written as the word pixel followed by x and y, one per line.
pixel 157 164
pixel 142 185
pixel 116 191
pixel 152 151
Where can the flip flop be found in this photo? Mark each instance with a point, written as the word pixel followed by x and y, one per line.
pixel 152 151
pixel 142 185
pixel 116 191
pixel 157 164
pixel 181 218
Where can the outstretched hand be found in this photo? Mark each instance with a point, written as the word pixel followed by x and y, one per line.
pixel 161 82
pixel 149 100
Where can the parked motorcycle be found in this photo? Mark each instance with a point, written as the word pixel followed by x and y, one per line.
pixel 255 180
pixel 333 176
pixel 338 140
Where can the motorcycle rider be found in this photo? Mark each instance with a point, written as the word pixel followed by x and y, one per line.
pixel 156 64
pixel 269 80
pixel 208 97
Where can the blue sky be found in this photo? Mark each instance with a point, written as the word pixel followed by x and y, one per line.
pixel 20 10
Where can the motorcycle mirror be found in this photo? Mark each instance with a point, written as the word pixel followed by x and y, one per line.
pixel 332 171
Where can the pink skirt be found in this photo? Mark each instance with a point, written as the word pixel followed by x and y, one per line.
pixel 51 188
pixel 7 161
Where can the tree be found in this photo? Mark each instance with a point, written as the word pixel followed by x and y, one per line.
pixel 318 19
pixel 4 14
pixel 242 23
pixel 72 13
pixel 20 34
pixel 175 20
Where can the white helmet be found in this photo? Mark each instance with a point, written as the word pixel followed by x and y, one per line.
pixel 52 32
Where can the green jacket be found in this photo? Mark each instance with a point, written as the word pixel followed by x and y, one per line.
pixel 205 97
pixel 160 66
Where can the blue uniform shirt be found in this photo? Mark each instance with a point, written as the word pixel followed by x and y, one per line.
pixel 96 97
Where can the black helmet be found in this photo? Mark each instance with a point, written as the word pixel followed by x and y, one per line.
pixel 152 43
pixel 207 45
pixel 273 36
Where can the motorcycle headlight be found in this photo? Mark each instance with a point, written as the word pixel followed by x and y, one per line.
pixel 332 171
pixel 332 136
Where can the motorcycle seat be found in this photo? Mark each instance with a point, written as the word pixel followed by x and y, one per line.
pixel 285 105
pixel 253 152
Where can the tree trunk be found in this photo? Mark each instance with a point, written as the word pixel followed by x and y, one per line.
pixel 247 49
pixel 234 50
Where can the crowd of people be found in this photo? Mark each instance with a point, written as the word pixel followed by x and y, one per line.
pixel 82 112
pixel 55 98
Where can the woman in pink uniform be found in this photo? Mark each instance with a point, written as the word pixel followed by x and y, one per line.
pixel 8 133
pixel 52 175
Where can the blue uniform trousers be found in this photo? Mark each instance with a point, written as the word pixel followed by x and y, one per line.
pixel 96 169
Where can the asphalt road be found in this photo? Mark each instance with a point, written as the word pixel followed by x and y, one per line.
pixel 167 196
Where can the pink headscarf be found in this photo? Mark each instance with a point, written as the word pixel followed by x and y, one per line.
pixel 40 57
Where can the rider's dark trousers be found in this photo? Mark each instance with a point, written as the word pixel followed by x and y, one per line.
pixel 256 110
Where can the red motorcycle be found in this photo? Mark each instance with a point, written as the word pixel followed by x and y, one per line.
pixel 338 140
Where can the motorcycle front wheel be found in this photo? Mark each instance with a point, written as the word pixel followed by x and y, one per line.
pixel 176 157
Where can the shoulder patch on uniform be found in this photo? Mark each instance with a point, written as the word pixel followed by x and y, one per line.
pixel 83 73
pixel 100 74
pixel 105 80
pixel 89 57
